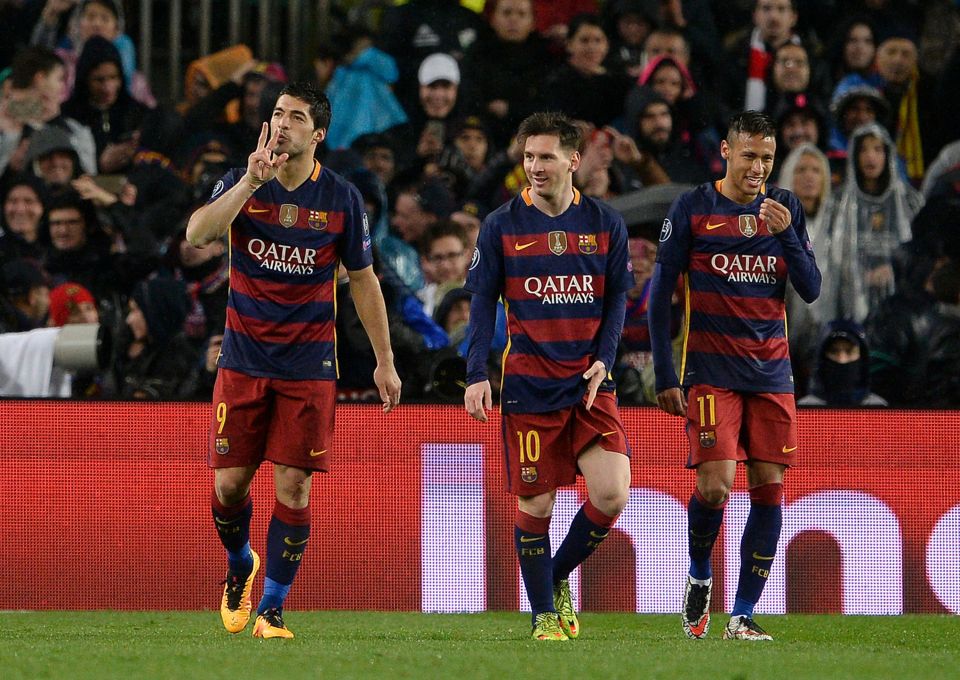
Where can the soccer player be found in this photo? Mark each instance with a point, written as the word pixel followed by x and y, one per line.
pixel 291 223
pixel 735 241
pixel 560 262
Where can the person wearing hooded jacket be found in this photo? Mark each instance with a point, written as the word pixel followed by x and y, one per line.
pixel 870 219
pixel 842 373
pixel 156 361
pixel 102 102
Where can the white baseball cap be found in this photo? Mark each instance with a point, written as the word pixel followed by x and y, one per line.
pixel 439 66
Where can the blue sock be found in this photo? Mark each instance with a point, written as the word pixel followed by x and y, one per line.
pixel 758 546
pixel 587 531
pixel 703 526
pixel 532 540
pixel 274 595
pixel 233 528
pixel 286 540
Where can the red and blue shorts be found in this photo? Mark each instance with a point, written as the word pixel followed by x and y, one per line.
pixel 541 449
pixel 742 426
pixel 289 422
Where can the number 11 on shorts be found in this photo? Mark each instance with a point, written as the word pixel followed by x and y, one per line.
pixel 706 403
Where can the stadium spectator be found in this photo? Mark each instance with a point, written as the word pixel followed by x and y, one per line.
pixel 445 259
pixel 568 409
pixel 553 17
pixel 855 49
pixel 738 406
pixel 362 82
pixel 800 120
pixel 275 378
pixel 27 293
pixel 628 24
pixel 842 373
pixel 871 217
pixel 692 115
pixel 806 172
pixel 649 117
pixel 80 250
pixel 84 20
pixel 910 94
pixel 376 151
pixel 72 303
pixel 155 360
pixel 52 159
pixel 22 219
pixel 941 369
pixel 419 142
pixel 101 102
pixel 582 87
pixel 413 31
pixel 502 71
pixel 32 102
pixel 466 154
pixel 750 56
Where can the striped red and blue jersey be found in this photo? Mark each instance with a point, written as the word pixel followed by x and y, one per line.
pixel 735 275
pixel 285 249
pixel 552 274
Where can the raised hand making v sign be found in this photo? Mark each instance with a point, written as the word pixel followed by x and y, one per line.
pixel 263 164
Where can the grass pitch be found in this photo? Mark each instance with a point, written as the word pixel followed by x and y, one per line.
pixel 339 644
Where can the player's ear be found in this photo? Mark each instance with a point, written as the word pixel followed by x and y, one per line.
pixel 319 135
pixel 574 161
pixel 724 149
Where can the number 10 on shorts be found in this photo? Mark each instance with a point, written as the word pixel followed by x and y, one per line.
pixel 529 446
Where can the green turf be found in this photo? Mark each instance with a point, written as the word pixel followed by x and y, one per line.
pixel 406 645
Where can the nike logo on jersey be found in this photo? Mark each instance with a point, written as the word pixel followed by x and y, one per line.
pixel 598 535
pixel 257 211
pixel 225 522
pixel 758 556
pixel 314 454
pixel 711 227
pixel 607 434
pixel 518 246
pixel 788 449
pixel 286 539
pixel 531 539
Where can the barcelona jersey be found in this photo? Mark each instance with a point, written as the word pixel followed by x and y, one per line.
pixel 735 275
pixel 553 274
pixel 285 249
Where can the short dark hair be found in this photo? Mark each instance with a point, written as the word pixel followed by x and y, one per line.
pixel 29 62
pixel 319 104
pixel 581 20
pixel 751 123
pixel 551 123
pixel 441 229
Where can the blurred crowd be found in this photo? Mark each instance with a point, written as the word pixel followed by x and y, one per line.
pixel 98 175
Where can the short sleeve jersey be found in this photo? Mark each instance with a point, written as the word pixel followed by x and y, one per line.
pixel 735 276
pixel 553 274
pixel 285 249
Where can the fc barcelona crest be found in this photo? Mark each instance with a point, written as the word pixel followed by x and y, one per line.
pixel 587 243
pixel 317 219
pixel 708 439
pixel 748 225
pixel 528 474
pixel 222 445
pixel 288 214
pixel 557 240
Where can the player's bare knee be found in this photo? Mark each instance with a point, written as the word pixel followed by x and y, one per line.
pixel 714 490
pixel 292 486
pixel 231 489
pixel 540 505
pixel 611 502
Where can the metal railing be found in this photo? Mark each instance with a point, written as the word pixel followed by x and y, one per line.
pixel 305 24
